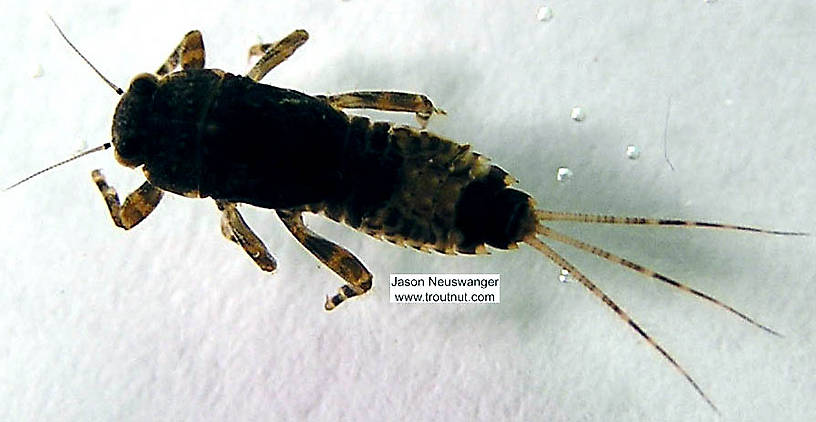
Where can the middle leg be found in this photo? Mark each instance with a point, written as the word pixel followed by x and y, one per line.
pixel 236 229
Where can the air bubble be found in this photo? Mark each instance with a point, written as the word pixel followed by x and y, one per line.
pixel 545 13
pixel 577 114
pixel 563 174
pixel 632 152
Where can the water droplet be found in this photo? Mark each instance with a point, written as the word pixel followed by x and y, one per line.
pixel 544 14
pixel 565 277
pixel 563 174
pixel 632 152
pixel 38 71
pixel 577 114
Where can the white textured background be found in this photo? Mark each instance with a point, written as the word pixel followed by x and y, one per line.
pixel 171 322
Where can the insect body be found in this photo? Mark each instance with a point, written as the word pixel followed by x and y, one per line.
pixel 206 133
pixel 197 132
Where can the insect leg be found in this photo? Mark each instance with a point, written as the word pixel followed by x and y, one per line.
pixel 138 205
pixel 236 229
pixel 189 52
pixel 386 101
pixel 563 263
pixel 273 54
pixel 340 260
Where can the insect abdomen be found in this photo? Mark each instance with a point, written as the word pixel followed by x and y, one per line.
pixel 415 188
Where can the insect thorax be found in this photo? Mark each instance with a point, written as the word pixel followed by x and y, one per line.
pixel 227 137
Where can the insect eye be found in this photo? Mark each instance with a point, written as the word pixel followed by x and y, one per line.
pixel 143 84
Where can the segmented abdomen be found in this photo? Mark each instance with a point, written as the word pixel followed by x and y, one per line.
pixel 414 188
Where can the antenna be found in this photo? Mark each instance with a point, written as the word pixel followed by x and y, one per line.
pixel 102 147
pixel 110 84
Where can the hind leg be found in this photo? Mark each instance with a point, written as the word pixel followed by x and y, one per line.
pixel 386 101
pixel 340 260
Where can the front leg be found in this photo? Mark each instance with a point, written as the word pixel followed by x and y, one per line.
pixel 418 104
pixel 138 205
pixel 189 53
pixel 234 228
pixel 340 260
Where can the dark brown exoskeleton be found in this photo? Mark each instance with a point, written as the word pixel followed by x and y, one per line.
pixel 206 133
